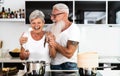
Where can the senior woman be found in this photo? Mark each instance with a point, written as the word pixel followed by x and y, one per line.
pixel 34 49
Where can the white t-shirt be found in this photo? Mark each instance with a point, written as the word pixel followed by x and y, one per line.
pixel 73 34
pixel 36 48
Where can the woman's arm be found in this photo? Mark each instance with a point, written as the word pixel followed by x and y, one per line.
pixel 24 54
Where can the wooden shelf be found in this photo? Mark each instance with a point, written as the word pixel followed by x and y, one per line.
pixel 5 19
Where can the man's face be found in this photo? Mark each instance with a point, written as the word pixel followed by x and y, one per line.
pixel 57 15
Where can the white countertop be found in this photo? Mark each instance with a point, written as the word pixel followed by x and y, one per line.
pixel 109 59
pixel 104 59
pixel 11 60
pixel 105 72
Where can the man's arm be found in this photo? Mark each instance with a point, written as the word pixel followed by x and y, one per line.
pixel 50 38
pixel 52 52
pixel 69 50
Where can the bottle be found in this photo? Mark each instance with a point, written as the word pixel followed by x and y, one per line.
pixel 3 12
pixel 20 13
pixel 11 14
pixel 0 52
pixel 15 14
pixel 8 13
pixel 1 44
pixel 0 13
pixel 23 14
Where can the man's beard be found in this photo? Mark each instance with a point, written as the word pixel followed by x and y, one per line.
pixel 57 28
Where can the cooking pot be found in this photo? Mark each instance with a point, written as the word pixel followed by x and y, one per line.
pixel 87 71
pixel 35 68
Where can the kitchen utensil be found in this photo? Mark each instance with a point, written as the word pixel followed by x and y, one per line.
pixel 35 68
pixel 14 54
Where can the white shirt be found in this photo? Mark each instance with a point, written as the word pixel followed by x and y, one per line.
pixel 72 33
pixel 36 48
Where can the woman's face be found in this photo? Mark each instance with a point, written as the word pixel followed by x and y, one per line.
pixel 37 25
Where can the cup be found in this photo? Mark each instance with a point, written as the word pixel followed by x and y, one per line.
pixel 5 53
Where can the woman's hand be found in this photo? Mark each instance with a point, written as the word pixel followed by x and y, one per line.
pixel 22 39
pixel 24 55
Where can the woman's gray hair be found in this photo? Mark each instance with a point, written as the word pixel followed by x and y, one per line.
pixel 37 14
pixel 61 7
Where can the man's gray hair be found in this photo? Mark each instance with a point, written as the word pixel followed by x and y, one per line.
pixel 37 14
pixel 61 7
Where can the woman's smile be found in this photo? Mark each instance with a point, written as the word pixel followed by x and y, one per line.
pixel 36 27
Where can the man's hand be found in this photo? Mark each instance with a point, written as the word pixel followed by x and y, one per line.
pixel 50 38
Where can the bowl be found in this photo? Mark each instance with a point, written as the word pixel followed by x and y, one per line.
pixel 14 54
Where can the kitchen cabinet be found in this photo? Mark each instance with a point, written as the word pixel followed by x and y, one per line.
pixel 113 12
pixel 10 60
pixel 46 7
pixel 85 14
pixel 90 12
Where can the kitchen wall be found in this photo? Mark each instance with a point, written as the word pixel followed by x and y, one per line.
pixel 10 31
pixel 100 38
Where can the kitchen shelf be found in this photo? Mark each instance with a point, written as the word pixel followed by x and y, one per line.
pixel 12 20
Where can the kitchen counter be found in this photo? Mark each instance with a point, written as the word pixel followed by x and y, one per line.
pixel 102 59
pixel 109 59
pixel 99 72
pixel 105 60
pixel 11 60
